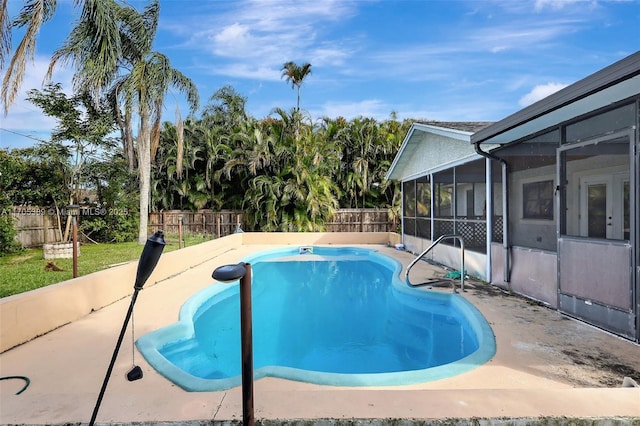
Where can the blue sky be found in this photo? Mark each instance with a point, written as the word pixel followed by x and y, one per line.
pixel 456 60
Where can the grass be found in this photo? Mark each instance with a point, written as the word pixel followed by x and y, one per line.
pixel 25 271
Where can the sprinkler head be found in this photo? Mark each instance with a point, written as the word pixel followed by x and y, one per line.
pixel 134 374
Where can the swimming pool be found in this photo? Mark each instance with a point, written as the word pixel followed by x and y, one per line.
pixel 326 315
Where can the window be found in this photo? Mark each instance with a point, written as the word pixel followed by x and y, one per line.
pixel 537 200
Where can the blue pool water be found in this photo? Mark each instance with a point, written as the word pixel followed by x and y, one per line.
pixel 338 316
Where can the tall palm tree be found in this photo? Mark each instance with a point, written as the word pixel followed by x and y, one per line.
pixel 108 36
pixel 147 83
pixel 295 74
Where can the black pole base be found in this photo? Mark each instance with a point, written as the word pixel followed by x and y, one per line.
pixel 134 374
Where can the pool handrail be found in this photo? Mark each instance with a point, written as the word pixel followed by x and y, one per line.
pixel 433 244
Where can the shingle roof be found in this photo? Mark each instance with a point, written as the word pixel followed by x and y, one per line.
pixel 465 126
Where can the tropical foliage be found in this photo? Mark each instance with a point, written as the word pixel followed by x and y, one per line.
pixel 286 172
pixel 10 170
pixel 41 176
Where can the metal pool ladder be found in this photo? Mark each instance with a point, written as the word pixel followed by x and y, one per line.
pixel 435 243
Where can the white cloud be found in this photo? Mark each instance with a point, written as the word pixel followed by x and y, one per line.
pixel 328 56
pixel 560 4
pixel 268 33
pixel 523 34
pixel 235 34
pixel 540 92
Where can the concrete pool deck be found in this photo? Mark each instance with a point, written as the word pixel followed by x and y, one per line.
pixel 546 366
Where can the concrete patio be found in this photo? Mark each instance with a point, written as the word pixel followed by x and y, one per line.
pixel 546 365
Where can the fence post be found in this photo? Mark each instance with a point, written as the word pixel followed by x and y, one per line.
pixel 45 225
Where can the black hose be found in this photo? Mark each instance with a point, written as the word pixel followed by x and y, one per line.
pixel 26 379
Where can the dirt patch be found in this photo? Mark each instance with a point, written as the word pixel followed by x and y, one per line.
pixel 602 366
pixel 572 351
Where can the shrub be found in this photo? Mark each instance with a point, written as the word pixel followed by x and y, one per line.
pixel 8 243
pixel 110 225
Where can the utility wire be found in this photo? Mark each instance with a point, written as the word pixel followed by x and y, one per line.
pixel 22 134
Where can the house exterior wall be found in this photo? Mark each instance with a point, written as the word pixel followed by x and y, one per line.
pixel 534 274
pixel 474 263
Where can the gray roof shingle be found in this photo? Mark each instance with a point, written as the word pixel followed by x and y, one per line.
pixel 466 126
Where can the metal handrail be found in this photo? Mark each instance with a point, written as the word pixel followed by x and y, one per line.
pixel 435 243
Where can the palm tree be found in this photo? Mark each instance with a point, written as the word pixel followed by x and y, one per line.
pixel 226 108
pixel 147 84
pixel 364 133
pixel 5 32
pixel 222 129
pixel 98 58
pixel 33 14
pixel 290 185
pixel 296 74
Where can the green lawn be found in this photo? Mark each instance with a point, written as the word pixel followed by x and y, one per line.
pixel 26 270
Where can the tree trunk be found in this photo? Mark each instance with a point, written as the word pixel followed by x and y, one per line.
pixel 144 170
pixel 130 150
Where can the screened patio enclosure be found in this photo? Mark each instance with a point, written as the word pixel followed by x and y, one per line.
pixel 444 191
pixel 573 217
pixel 546 199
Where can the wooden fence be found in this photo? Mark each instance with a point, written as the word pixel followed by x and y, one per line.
pixel 198 222
pixel 224 223
pixel 361 220
pixel 36 226
pixel 39 225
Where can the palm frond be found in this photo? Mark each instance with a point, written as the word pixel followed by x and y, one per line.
pixel 34 13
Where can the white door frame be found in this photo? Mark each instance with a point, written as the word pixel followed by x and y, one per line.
pixel 614 202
